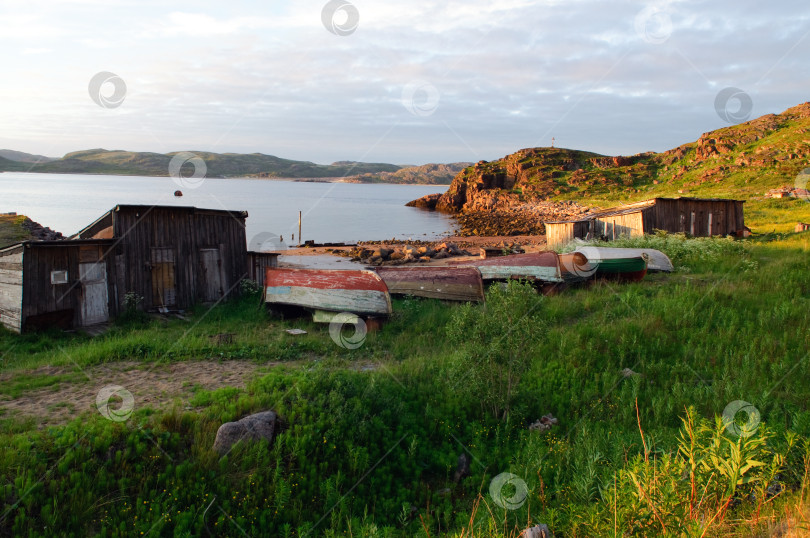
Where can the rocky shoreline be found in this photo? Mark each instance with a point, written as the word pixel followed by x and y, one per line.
pixel 39 232
pixel 494 213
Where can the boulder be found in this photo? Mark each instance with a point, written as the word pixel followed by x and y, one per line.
pixel 381 253
pixel 250 428
pixel 426 202
pixel 424 259
pixel 396 255
pixel 538 531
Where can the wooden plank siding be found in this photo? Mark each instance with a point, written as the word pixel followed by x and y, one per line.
pixel 559 233
pixel 11 288
pixel 694 216
pixel 46 303
pixel 615 226
pixel 187 232
pixel 258 263
pixel 676 215
pixel 202 253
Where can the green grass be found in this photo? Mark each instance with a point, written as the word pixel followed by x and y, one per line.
pixel 11 230
pixel 373 453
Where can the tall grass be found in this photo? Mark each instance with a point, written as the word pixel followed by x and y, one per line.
pixel 638 376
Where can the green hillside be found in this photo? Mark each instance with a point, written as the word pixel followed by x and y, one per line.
pixel 22 157
pixel 427 174
pixel 742 162
pixel 100 161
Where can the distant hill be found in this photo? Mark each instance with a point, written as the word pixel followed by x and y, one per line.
pixel 12 166
pixel 100 161
pixel 426 174
pixel 741 161
pixel 21 157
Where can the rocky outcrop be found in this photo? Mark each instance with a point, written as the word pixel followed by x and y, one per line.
pixel 513 195
pixel 426 202
pixel 39 232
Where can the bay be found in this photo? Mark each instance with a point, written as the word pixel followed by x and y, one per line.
pixel 331 212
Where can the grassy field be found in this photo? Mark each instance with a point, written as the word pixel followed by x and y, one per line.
pixel 639 376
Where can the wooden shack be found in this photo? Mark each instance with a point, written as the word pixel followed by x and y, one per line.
pixel 55 283
pixel 170 257
pixel 698 217
pixel 174 256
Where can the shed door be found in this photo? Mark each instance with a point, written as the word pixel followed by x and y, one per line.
pixel 164 290
pixel 93 277
pixel 211 274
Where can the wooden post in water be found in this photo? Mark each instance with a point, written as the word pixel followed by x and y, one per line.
pixel 300 239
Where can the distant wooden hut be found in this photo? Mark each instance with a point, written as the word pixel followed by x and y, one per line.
pixel 170 257
pixel 699 217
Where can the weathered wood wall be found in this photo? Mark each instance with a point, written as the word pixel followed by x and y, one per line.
pixel 614 226
pixel 11 288
pixel 47 304
pixel 697 217
pixel 700 218
pixel 258 262
pixel 559 234
pixel 149 238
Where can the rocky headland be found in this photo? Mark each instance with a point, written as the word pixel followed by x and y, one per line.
pixel 517 193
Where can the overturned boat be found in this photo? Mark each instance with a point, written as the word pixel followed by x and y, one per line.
pixel 437 282
pixel 601 263
pixel 539 266
pixel 656 260
pixel 327 292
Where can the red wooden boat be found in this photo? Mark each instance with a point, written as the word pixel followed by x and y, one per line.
pixel 357 292
pixel 436 282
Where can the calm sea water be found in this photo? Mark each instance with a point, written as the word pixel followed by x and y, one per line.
pixel 332 212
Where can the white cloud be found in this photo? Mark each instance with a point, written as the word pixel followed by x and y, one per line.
pixel 256 76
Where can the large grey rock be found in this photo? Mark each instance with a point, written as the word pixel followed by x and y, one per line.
pixel 250 428
pixel 538 531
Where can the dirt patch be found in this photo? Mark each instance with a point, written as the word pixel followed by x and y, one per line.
pixel 158 386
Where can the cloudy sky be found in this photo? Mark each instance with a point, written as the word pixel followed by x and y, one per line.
pixel 392 81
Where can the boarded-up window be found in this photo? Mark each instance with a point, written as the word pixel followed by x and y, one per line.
pixel 163 277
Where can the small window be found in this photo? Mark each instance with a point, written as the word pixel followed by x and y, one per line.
pixel 59 277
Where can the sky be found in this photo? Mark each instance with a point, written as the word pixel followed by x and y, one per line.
pixel 405 82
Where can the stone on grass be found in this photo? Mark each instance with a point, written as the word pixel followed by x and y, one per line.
pixel 538 531
pixel 250 428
